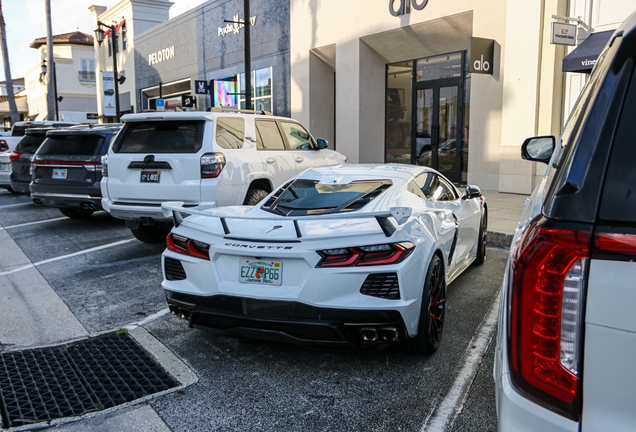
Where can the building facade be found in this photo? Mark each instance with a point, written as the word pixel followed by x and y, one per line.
pixel 197 54
pixel 394 81
pixel 130 18
pixel 74 60
pixel 200 45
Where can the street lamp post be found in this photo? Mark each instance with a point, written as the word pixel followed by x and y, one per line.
pixel 99 36
pixel 57 99
pixel 248 53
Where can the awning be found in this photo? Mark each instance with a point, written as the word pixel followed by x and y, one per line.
pixel 584 56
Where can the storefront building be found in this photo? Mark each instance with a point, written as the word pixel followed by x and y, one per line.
pixel 199 57
pixel 452 85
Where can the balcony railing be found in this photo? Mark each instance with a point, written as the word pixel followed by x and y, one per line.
pixel 86 77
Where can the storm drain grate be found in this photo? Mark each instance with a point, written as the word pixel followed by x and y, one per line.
pixel 69 380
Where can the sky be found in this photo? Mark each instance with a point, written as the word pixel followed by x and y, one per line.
pixel 26 21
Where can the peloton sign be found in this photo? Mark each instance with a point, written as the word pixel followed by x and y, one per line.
pixel 403 7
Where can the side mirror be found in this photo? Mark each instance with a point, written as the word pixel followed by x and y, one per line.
pixel 538 149
pixel 472 191
pixel 322 143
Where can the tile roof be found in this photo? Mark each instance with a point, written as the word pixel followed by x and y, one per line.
pixel 76 38
pixel 16 81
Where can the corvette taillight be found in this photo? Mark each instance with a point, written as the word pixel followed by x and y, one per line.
pixel 384 254
pixel 14 156
pixel 186 246
pixel 212 164
pixel 548 279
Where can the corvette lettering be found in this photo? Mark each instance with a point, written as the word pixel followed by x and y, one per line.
pixel 238 245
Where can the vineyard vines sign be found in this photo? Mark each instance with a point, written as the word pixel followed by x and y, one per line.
pixel 404 6
pixel 161 55
pixel 236 26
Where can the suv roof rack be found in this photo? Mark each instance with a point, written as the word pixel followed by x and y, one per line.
pixel 242 111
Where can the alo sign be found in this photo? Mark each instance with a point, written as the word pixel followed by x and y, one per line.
pixel 481 53
pixel 403 7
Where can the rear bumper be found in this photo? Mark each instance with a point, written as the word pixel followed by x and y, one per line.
pixel 5 178
pixel 20 186
pixel 59 200
pixel 131 211
pixel 288 321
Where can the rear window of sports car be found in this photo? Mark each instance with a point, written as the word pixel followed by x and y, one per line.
pixel 309 197
pixel 166 136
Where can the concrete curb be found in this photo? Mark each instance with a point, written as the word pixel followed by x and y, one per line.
pixel 499 240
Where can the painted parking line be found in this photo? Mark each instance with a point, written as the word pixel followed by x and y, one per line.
pixel 16 205
pixel 82 252
pixel 444 412
pixel 32 223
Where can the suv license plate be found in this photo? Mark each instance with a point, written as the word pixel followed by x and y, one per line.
pixel 59 173
pixel 261 272
pixel 3 167
pixel 150 176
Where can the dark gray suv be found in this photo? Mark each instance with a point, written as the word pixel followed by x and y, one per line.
pixel 20 157
pixel 67 169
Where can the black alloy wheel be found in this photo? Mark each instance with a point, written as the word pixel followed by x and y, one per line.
pixel 433 310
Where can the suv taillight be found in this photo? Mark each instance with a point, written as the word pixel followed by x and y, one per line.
pixel 3 146
pixel 105 166
pixel 548 279
pixel 212 164
pixel 14 156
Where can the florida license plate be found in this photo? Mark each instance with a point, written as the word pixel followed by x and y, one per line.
pixel 150 176
pixel 261 272
pixel 59 173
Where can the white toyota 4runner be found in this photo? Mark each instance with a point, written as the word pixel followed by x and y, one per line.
pixel 206 159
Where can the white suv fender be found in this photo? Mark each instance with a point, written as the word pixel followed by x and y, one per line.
pixel 250 179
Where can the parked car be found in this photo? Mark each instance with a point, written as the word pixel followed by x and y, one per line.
pixel 5 170
pixel 567 330
pixel 207 159
pixel 67 169
pixel 20 157
pixel 340 256
pixel 19 128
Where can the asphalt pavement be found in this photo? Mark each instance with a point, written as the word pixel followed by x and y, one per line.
pixel 92 276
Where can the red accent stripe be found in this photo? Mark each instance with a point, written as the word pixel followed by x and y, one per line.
pixel 621 243
pixel 47 162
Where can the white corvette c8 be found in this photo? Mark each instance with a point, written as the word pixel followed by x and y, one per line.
pixel 339 256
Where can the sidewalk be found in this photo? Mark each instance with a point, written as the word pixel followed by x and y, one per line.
pixel 504 211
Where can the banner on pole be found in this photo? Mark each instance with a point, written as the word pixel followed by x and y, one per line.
pixel 108 85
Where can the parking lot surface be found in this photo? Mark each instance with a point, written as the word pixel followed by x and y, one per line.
pixel 108 280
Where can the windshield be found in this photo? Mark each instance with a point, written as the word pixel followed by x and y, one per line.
pixel 305 197
pixel 167 136
pixel 72 145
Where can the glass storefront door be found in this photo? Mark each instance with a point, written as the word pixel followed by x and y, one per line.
pixel 427 114
pixel 437 126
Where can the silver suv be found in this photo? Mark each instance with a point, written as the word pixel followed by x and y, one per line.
pixel 205 159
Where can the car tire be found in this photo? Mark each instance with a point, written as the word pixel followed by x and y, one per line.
pixel 76 214
pixel 481 240
pixel 432 310
pixel 152 233
pixel 254 196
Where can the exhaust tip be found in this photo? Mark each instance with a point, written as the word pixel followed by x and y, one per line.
pixel 389 334
pixel 369 334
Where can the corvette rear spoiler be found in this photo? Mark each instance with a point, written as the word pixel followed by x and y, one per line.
pixel 400 214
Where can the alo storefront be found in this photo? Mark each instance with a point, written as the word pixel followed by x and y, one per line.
pixel 406 81
pixel 198 54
